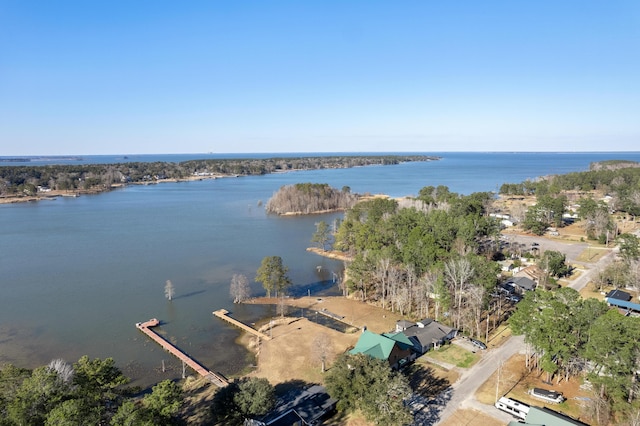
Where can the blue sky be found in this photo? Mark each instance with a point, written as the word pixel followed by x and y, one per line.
pixel 153 76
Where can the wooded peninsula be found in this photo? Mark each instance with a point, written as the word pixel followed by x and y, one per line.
pixel 27 183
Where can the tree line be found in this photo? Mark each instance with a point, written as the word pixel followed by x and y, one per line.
pixel 432 255
pixel 620 180
pixel 25 180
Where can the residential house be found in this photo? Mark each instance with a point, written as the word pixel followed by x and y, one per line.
pixel 305 407
pixel 538 416
pixel 520 285
pixel 392 347
pixel 426 334
pixel 619 295
pixel 625 307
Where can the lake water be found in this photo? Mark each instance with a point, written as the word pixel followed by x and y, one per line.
pixel 76 274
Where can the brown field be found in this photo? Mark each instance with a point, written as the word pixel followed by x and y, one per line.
pixel 289 355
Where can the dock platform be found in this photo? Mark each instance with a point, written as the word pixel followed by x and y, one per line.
pixel 146 328
pixel 224 314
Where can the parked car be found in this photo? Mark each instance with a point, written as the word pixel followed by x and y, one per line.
pixel 478 344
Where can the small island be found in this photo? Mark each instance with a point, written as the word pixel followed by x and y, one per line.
pixel 310 198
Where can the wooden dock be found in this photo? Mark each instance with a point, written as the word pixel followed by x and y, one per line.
pixel 146 328
pixel 224 314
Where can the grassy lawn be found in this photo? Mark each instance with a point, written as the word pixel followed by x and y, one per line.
pixel 456 355
pixel 592 254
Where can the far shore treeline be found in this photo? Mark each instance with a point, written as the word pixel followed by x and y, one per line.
pixel 16 181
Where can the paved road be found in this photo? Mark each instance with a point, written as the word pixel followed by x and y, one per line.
pixel 572 251
pixel 592 269
pixel 462 393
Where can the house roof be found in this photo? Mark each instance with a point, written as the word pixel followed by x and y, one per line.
pixel 404 324
pixel 532 271
pixel 522 282
pixel 306 405
pixel 401 338
pixel 622 304
pixel 619 294
pixel 425 322
pixel 432 332
pixel 379 345
pixel 545 416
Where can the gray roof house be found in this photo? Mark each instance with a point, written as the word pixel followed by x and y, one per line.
pixel 619 295
pixel 520 285
pixel 426 334
pixel 304 407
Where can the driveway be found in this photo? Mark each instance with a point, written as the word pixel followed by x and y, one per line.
pixel 461 394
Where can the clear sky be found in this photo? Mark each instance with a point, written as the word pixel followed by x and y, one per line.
pixel 154 76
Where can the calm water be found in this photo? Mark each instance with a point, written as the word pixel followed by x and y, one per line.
pixel 77 274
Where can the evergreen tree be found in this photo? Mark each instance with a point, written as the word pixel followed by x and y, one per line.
pixel 273 275
pixel 360 382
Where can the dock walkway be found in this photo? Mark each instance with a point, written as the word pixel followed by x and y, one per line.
pixel 224 314
pixel 214 378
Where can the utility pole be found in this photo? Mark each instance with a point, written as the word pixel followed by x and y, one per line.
pixel 498 380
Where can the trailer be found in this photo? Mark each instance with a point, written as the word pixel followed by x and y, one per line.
pixel 515 408
pixel 547 395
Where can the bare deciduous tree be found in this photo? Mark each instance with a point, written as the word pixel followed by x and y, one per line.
pixel 475 303
pixel 169 291
pixel 321 349
pixel 239 288
pixel 457 273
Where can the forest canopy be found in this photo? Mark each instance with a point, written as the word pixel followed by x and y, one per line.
pixel 305 198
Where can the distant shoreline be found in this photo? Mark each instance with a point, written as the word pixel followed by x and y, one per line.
pixel 54 194
pixel 157 173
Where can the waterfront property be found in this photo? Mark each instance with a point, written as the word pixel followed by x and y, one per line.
pixel 394 348
pixel 426 334
pixel 224 314
pixel 146 328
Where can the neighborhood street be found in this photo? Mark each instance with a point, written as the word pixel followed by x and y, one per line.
pixel 461 394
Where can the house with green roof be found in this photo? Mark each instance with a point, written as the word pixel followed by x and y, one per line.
pixel 543 416
pixel 395 348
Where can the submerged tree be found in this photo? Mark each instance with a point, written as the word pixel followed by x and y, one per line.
pixel 239 288
pixel 169 291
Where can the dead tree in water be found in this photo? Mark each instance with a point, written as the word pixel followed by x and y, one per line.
pixel 239 288
pixel 169 291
